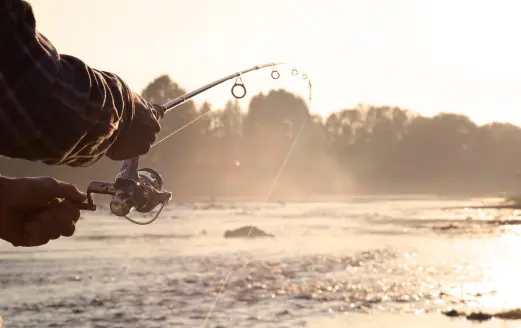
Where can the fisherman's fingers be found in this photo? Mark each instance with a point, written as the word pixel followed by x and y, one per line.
pixel 66 214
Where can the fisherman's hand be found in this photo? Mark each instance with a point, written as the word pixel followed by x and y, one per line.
pixel 137 139
pixel 36 210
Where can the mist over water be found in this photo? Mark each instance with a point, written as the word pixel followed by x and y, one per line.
pixel 369 256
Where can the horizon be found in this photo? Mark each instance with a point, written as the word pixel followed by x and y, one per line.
pixel 426 56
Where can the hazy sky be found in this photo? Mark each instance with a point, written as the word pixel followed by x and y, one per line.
pixel 430 56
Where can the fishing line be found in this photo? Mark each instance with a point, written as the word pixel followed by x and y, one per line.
pixel 270 191
pixel 181 128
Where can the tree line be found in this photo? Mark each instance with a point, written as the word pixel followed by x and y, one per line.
pixel 235 152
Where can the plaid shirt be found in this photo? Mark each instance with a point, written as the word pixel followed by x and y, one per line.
pixel 53 107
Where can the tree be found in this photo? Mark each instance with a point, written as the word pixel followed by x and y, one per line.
pixel 365 149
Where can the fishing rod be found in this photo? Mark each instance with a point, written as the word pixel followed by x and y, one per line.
pixel 141 189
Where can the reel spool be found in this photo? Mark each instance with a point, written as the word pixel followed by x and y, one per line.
pixel 142 195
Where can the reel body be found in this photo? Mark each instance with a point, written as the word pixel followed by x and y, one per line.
pixel 132 189
pixel 142 194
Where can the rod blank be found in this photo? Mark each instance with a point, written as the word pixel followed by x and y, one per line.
pixel 180 100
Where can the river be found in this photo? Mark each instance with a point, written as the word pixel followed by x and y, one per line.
pixel 365 258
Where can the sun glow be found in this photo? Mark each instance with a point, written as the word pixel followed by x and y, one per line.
pixel 428 56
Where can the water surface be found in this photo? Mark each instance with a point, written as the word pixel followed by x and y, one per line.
pixel 368 256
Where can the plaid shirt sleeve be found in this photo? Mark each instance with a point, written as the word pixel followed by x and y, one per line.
pixel 53 107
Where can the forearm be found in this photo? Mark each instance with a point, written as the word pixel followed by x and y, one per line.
pixel 75 122
pixel 83 116
pixel 55 108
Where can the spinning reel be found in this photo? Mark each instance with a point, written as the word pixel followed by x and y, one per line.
pixel 132 189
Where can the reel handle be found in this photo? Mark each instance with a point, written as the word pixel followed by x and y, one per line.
pixel 87 207
pixel 96 187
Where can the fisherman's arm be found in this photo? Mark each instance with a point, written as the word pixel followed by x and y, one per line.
pixel 54 108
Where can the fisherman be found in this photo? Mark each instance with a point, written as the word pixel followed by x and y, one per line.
pixel 56 109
